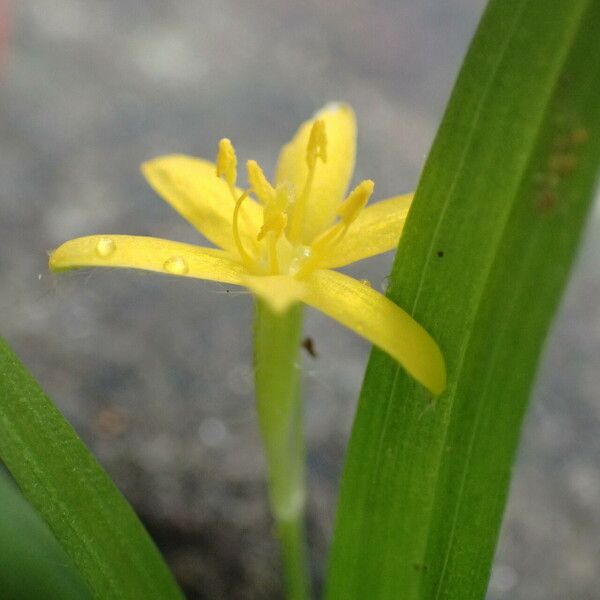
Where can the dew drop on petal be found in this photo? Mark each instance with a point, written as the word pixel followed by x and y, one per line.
pixel 176 266
pixel 105 247
pixel 301 255
pixel 294 266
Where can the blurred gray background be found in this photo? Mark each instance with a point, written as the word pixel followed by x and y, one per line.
pixel 155 373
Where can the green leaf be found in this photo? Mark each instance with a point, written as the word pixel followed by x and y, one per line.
pixel 61 479
pixel 33 564
pixel 482 263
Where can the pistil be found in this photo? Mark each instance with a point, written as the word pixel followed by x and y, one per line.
pixel 274 222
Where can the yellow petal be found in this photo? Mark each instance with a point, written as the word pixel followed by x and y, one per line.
pixel 331 178
pixel 377 229
pixel 279 291
pixel 150 254
pixel 191 186
pixel 379 320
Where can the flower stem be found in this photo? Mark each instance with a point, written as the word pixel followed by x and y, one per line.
pixel 277 376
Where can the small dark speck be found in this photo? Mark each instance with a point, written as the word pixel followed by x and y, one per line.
pixel 420 567
pixel 309 345
pixel 440 253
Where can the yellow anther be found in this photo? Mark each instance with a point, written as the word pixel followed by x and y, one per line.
pixel 227 162
pixel 355 202
pixel 274 215
pixel 317 144
pixel 259 184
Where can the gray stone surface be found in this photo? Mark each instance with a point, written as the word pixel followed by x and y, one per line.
pixel 155 372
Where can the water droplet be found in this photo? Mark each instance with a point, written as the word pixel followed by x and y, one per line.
pixel 176 266
pixel 300 255
pixel 105 247
pixel 366 282
pixel 294 266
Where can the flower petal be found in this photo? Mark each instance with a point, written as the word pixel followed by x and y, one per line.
pixel 379 320
pixel 331 178
pixel 377 229
pixel 150 254
pixel 279 291
pixel 191 186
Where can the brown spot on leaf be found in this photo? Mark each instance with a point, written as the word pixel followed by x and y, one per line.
pixel 546 202
pixel 579 136
pixel 563 164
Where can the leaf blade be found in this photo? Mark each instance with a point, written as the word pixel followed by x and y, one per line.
pixel 61 479
pixel 483 259
pixel 33 564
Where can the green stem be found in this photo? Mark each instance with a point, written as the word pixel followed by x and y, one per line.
pixel 277 376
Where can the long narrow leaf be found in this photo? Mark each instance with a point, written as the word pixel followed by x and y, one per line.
pixel 32 563
pixel 87 514
pixel 482 264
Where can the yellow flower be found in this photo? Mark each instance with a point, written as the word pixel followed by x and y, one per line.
pixel 281 240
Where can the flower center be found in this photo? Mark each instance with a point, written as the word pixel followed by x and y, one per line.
pixel 278 247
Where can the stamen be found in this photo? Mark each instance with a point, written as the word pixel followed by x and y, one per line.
pixel 259 184
pixel 316 148
pixel 317 144
pixel 227 170
pixel 319 248
pixel 348 212
pixel 355 202
pixel 327 239
pixel 236 233
pixel 227 162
